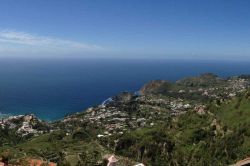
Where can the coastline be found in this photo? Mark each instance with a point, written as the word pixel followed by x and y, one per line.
pixel 3 115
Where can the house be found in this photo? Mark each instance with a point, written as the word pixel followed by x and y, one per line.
pixel 140 164
pixel 112 160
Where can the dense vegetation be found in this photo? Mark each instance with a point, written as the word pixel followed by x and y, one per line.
pixel 219 138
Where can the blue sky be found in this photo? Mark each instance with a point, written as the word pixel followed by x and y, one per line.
pixel 179 29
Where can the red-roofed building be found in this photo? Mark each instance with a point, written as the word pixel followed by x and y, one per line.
pixel 2 164
pixel 35 162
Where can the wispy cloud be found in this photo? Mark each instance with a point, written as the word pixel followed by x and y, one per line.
pixel 18 40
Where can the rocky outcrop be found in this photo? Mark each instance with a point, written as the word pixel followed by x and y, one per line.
pixel 155 86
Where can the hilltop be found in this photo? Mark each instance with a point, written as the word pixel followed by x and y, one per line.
pixel 194 121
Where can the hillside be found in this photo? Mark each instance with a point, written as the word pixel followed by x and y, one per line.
pixel 200 120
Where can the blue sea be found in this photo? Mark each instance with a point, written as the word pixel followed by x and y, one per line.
pixel 54 88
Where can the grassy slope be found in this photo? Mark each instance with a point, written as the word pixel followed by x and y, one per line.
pixel 46 147
pixel 221 137
pixel 236 116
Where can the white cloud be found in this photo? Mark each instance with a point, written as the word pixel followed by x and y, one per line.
pixel 19 41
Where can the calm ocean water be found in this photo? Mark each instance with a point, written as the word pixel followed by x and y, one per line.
pixel 53 88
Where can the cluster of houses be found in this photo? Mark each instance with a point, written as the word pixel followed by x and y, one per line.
pixel 230 88
pixel 110 118
pixel 173 106
pixel 114 119
pixel 24 124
